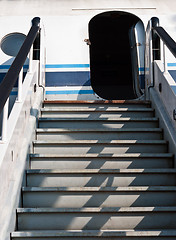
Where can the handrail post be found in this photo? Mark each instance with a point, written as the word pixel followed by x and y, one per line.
pixel 30 59
pixel 20 85
pixel 5 121
pixel 151 54
pixel 155 45
pixel 164 58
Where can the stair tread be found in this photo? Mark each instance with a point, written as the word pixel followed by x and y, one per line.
pixel 86 210
pixel 97 102
pixel 103 171
pixel 50 109
pixel 99 155
pixel 85 233
pixel 128 190
pixel 60 142
pixel 126 119
pixel 97 209
pixel 99 189
pixel 57 130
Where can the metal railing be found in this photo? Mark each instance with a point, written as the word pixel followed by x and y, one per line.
pixel 16 72
pixel 167 42
pixel 154 35
pixel 152 51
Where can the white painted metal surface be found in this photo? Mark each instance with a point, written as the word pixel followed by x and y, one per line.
pixel 14 148
pixel 20 84
pixel 5 122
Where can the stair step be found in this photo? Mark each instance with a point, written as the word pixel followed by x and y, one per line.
pixel 97 104
pixel 99 169
pixel 137 218
pixel 97 113
pixel 101 177
pixel 91 110
pixel 78 197
pixel 99 123
pixel 96 234
pixel 100 146
pixel 91 134
pixel 101 161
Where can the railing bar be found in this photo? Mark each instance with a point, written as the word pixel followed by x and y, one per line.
pixel 5 121
pixel 30 59
pixel 10 78
pixel 169 42
pixel 151 54
pixel 20 85
pixel 164 57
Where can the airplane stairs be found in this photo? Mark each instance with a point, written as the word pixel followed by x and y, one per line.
pixel 98 170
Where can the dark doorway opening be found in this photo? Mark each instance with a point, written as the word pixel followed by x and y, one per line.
pixel 112 61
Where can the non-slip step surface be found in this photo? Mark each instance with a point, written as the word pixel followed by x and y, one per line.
pixel 136 218
pixel 101 161
pixel 97 104
pixel 99 169
pixel 77 197
pixel 100 123
pixel 96 234
pixel 97 113
pixel 99 134
pixel 100 146
pixel 113 109
pixel 69 130
pixel 101 178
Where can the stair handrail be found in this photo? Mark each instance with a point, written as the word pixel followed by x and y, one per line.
pixel 11 76
pixel 152 52
pixel 159 81
pixel 167 41
pixel 166 38
pixel 155 33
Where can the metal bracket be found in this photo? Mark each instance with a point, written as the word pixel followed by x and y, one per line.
pixel 87 41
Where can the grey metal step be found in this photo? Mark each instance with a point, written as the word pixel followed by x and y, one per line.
pixel 100 146
pixel 99 123
pixel 78 197
pixel 96 234
pixel 97 113
pixel 98 175
pixel 101 161
pixel 137 218
pixel 97 104
pixel 94 134
pixel 101 177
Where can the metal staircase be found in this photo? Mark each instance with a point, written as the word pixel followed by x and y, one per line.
pixel 99 170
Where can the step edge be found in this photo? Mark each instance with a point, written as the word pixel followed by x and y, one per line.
pixel 94 233
pixel 127 119
pixel 53 130
pixel 96 210
pixel 101 171
pixel 99 142
pixel 126 155
pixel 96 110
pixel 100 189
pixel 98 101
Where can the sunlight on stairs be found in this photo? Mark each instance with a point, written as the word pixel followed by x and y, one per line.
pixel 98 170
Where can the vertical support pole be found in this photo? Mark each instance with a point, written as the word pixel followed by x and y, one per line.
pixel 155 47
pixel 30 59
pixel 151 55
pixel 5 121
pixel 20 84
pixel 164 58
